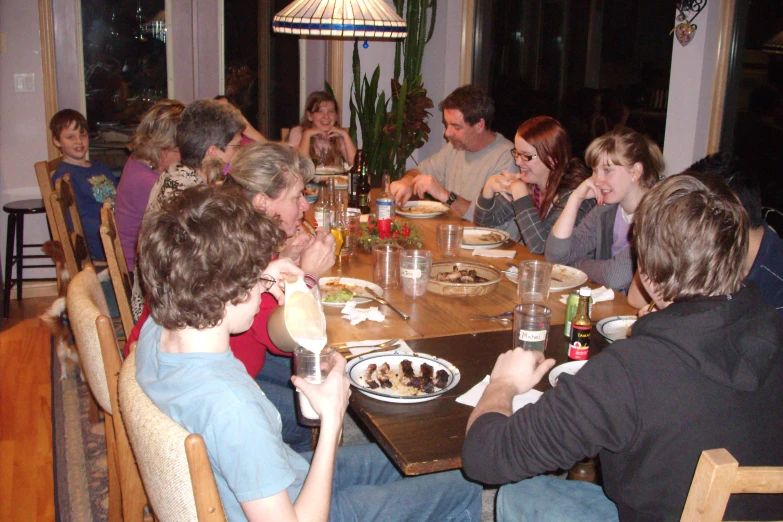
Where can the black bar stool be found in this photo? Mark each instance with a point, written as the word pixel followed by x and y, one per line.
pixel 16 211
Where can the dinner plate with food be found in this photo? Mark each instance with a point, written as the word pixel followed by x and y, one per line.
pixel 340 182
pixel 480 237
pixel 422 209
pixel 571 368
pixel 336 291
pixel 402 377
pixel 616 328
pixel 563 277
pixel 462 279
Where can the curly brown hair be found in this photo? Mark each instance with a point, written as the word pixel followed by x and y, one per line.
pixel 201 250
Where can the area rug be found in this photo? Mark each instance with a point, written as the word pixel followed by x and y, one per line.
pixel 80 473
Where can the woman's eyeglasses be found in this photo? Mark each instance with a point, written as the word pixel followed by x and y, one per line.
pixel 267 281
pixel 525 157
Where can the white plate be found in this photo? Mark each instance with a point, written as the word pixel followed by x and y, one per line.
pixel 615 328
pixel 422 209
pixel 480 237
pixel 358 366
pixel 348 281
pixel 571 368
pixel 340 182
pixel 329 171
pixel 570 277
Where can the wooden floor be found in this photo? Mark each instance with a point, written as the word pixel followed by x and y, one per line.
pixel 26 477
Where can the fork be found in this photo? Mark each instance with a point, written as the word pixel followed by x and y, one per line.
pixel 350 356
pixel 386 344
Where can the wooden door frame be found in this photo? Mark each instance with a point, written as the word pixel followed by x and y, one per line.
pixel 46 30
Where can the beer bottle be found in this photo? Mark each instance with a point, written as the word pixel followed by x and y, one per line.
pixel 384 208
pixel 581 328
pixel 322 209
pixel 363 189
pixel 359 164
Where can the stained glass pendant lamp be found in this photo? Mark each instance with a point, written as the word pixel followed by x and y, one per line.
pixel 340 18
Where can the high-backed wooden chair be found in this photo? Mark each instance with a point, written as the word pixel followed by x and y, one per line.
pixel 173 463
pixel 44 170
pixel 101 361
pixel 718 476
pixel 118 268
pixel 73 240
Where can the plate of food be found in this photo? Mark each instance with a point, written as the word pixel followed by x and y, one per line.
pixel 402 377
pixel 616 328
pixel 422 209
pixel 563 277
pixel 329 170
pixel 336 291
pixel 571 368
pixel 340 182
pixel 462 279
pixel 480 237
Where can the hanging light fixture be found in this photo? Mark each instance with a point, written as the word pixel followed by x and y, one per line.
pixel 340 18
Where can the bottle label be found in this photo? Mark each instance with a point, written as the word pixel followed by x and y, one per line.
pixel 363 200
pixel 322 218
pixel 384 209
pixel 412 273
pixel 532 336
pixel 579 342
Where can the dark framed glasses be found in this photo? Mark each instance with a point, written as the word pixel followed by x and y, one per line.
pixel 267 281
pixel 525 157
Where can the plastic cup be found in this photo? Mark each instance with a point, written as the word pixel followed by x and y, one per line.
pixel 313 368
pixel 533 281
pixel 449 238
pixel 531 326
pixel 352 219
pixel 386 265
pixel 415 266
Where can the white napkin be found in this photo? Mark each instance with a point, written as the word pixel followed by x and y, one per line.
pixel 494 252
pixel 472 396
pixel 600 294
pixel 401 347
pixel 358 315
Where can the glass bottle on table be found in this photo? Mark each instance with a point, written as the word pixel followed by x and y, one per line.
pixel 581 328
pixel 323 210
pixel 385 208
pixel 363 190
pixel 339 228
pixel 359 164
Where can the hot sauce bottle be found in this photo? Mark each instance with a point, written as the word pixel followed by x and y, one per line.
pixel 384 208
pixel 581 328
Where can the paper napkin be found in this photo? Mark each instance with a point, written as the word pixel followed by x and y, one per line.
pixel 358 315
pixel 600 294
pixel 494 252
pixel 472 396
pixel 401 347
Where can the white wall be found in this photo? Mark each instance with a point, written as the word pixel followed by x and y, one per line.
pixel 22 120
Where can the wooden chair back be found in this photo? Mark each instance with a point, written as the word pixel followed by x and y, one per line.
pixel 44 170
pixel 718 476
pixel 100 357
pixel 173 463
pixel 118 268
pixel 72 238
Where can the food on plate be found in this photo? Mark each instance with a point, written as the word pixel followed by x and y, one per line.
pixel 341 296
pixel 460 276
pixel 404 380
pixel 335 291
pixel 422 209
pixel 491 237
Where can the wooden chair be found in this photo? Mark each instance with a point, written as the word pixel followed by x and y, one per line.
pixel 173 463
pixel 44 170
pixel 118 268
pixel 101 360
pixel 719 475
pixel 73 240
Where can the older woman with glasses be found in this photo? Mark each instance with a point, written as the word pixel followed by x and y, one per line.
pixel 535 196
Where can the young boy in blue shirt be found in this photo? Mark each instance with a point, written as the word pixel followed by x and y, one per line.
pixel 92 182
pixel 205 259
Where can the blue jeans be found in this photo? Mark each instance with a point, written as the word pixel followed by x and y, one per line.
pixel 274 379
pixel 367 486
pixel 549 499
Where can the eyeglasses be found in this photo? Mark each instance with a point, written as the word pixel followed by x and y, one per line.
pixel 525 157
pixel 267 281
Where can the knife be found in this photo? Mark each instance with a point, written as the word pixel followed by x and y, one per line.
pixel 386 303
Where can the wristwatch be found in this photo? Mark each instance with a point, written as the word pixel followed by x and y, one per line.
pixel 452 198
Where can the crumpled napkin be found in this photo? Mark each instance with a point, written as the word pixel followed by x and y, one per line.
pixel 600 294
pixel 472 396
pixel 401 347
pixel 358 315
pixel 494 252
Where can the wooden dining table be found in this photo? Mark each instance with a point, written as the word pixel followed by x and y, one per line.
pixel 427 437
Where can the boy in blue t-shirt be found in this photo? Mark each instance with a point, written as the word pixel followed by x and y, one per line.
pixel 92 182
pixel 205 258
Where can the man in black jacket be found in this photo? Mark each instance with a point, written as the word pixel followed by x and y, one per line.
pixel 704 372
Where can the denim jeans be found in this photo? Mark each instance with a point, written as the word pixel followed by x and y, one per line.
pixel 274 379
pixel 550 499
pixel 367 486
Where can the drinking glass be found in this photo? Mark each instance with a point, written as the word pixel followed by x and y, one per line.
pixel 531 326
pixel 449 239
pixel 533 282
pixel 415 268
pixel 313 367
pixel 352 224
pixel 386 265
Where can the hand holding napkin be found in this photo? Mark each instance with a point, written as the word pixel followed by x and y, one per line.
pixel 494 252
pixel 600 294
pixel 358 315
pixel 472 396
